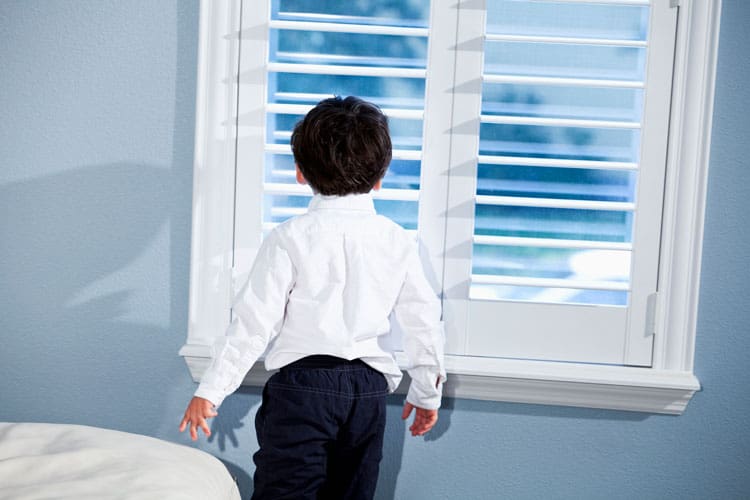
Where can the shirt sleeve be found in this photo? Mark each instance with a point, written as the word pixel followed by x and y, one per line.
pixel 258 314
pixel 417 311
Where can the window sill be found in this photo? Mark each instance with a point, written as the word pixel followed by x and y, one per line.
pixel 567 384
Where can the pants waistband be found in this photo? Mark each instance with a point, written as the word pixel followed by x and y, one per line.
pixel 324 361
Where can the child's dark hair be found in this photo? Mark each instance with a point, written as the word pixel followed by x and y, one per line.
pixel 342 146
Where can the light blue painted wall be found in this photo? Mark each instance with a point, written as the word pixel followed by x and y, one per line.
pixel 96 140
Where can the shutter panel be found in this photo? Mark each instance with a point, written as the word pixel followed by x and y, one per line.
pixel 315 50
pixel 563 250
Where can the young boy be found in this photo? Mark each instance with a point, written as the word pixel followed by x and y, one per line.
pixel 319 298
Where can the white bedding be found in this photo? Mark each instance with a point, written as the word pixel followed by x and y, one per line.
pixel 44 461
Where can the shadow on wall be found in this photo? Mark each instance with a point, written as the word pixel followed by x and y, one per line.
pixel 65 239
pixel 235 426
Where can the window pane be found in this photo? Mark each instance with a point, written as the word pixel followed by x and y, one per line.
pixel 559 142
pixel 279 168
pixel 549 295
pixel 401 212
pixel 316 47
pixel 279 127
pixel 407 13
pixel 386 92
pixel 556 183
pixel 592 20
pixel 555 223
pixel 402 174
pixel 552 101
pixel 564 60
pixel 553 263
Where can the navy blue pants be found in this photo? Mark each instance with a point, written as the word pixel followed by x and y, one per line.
pixel 320 430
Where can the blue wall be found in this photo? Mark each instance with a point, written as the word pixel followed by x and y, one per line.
pixel 96 140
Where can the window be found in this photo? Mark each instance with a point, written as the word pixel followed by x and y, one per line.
pixel 549 155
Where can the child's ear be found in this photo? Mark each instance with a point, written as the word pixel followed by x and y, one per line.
pixel 300 178
pixel 378 185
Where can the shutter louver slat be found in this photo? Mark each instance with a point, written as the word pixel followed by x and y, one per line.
pixel 562 81
pixel 324 69
pixel 398 154
pixel 362 29
pixel 560 39
pixel 556 162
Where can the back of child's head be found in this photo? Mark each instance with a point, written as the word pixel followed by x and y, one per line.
pixel 342 146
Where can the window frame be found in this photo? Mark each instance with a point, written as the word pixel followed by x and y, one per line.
pixel 666 387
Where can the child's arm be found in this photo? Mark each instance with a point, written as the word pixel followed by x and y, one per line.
pixel 196 414
pixel 417 311
pixel 258 312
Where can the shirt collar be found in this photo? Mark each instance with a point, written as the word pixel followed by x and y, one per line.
pixel 361 202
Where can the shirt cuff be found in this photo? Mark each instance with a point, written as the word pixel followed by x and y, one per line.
pixel 426 388
pixel 215 396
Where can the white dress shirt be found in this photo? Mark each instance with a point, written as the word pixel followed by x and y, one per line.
pixel 328 282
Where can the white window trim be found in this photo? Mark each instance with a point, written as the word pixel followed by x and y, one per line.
pixel 667 387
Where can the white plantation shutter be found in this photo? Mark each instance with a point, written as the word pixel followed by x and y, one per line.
pixel 559 152
pixel 300 52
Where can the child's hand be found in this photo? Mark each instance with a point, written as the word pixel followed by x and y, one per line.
pixel 424 420
pixel 196 414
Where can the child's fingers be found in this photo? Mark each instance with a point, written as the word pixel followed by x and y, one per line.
pixel 421 430
pixel 196 422
pixel 420 426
